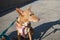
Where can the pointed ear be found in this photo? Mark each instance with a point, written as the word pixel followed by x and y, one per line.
pixel 19 11
pixel 29 8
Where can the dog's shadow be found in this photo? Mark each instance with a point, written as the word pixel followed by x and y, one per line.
pixel 43 28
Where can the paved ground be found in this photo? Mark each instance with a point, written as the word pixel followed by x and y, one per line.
pixel 48 28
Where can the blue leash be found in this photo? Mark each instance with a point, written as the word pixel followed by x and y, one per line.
pixel 4 32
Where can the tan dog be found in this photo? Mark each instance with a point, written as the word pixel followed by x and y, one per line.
pixel 23 23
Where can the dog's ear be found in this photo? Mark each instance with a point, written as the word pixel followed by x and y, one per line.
pixel 19 11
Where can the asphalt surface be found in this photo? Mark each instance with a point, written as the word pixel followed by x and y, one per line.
pixel 48 28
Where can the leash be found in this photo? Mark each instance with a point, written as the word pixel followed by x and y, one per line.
pixel 3 34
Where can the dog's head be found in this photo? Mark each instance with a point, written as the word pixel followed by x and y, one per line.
pixel 27 15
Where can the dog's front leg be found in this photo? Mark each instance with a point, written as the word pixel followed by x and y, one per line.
pixel 30 36
pixel 19 36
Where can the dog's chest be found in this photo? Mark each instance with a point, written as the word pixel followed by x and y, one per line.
pixel 24 29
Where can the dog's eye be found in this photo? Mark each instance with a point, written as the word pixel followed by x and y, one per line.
pixel 31 14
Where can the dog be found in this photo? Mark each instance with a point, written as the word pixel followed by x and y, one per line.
pixel 23 23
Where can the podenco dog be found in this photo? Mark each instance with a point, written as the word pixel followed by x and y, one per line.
pixel 24 23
